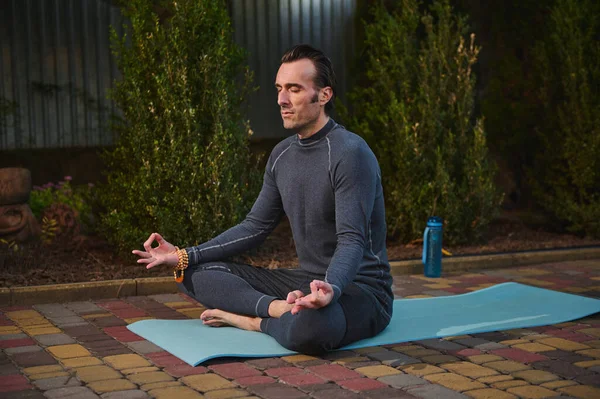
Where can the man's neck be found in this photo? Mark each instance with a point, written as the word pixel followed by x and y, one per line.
pixel 313 128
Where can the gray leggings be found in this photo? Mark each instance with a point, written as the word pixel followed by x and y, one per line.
pixel 249 290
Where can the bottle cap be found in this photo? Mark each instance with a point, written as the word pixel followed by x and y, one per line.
pixel 435 221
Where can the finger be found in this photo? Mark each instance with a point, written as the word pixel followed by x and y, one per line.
pixel 146 260
pixel 155 263
pixel 148 243
pixel 141 253
pixel 159 238
pixel 292 296
pixel 322 285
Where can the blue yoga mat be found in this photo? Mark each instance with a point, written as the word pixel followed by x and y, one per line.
pixel 500 307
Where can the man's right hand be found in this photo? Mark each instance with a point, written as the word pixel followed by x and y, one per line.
pixel 163 254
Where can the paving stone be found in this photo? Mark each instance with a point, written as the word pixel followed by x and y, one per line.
pixel 31 359
pixel 479 343
pixel 377 371
pixel 534 347
pixel 8 369
pixel 82 331
pixel 455 382
pixel 53 310
pixel 336 394
pixel 562 368
pixel 54 339
pixel 165 298
pixel 581 391
pixel 81 362
pixel 361 384
pixel 495 378
pixel 439 359
pixel 121 350
pixel 558 384
pixel 42 369
pixel 207 382
pixel 469 369
pixel 41 330
pixel 532 392
pixel 590 379
pixel 226 394
pixel 138 370
pixel 442 344
pixel 149 377
pixel 481 359
pixel 386 393
pixel 268 363
pixel 130 394
pixel 595 353
pixel 111 385
pixel 234 370
pixel 56 382
pixel 509 384
pixel 535 377
pixel 519 355
pixel 70 321
pixel 489 393
pixel 433 391
pixel 97 373
pixel 120 362
pixel 403 380
pixel 393 358
pixel 421 369
pixel 111 321
pixel 507 366
pixel 143 347
pixel 334 372
pixel 563 344
pixel 283 371
pixel 68 351
pixel 254 380
pixel 300 379
pixel 420 352
pixel 23 349
pixel 71 392
pixel 28 394
pixel 83 307
pixel 182 370
pixel 10 337
pixel 277 391
pixel 179 392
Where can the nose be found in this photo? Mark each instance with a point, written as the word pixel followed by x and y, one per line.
pixel 283 98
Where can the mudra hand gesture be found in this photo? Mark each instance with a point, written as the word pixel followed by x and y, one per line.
pixel 164 254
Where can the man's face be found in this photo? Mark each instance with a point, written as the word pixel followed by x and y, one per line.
pixel 298 98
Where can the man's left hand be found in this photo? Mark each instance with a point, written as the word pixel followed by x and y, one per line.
pixel 321 294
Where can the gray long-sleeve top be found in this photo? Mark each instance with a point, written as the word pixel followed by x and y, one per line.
pixel 329 186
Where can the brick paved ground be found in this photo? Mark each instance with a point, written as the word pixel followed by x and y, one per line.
pixel 84 350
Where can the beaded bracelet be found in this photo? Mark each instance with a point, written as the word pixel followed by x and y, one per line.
pixel 181 265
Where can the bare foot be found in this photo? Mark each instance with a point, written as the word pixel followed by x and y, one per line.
pixel 220 318
pixel 278 307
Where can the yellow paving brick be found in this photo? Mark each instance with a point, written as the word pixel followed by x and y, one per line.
pixel 192 313
pixel 369 349
pixel 594 332
pixel 421 369
pixel 558 384
pixel 437 286
pixel 532 392
pixel 81 362
pixel 179 392
pixel 35 322
pixel 454 381
pixel 298 358
pixel 511 342
pixel 128 361
pixel 136 319
pixel 509 384
pixel 489 393
pixel 23 314
pixel 581 391
pixel 402 349
pixel 469 369
pixel 138 370
pixel 96 315
pixel 179 304
pixel 519 332
pixel 536 377
pixel 534 347
pixel 438 359
pixel 507 366
pixel 206 382
pixel 417 296
pixel 7 330
pixel 536 337
pixel 495 378
pixel 594 344
pixel 162 384
pixel 566 324
pixel 575 290
pixel 41 330
pixel 530 272
pixel 68 351
pixel 149 377
pixel 97 373
pixel 481 359
pixel 588 363
pixel 452 338
pixel 563 344
pixel 590 352
pixel 43 376
pixel 377 371
pixel 111 386
pixel 225 394
pixel 42 369
pixel 533 281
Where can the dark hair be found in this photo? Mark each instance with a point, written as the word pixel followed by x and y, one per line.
pixel 325 75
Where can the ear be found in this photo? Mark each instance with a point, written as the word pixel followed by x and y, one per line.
pixel 325 95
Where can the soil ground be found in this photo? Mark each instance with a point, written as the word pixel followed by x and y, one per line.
pixel 87 258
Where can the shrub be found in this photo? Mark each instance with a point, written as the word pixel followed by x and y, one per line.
pixel 414 106
pixel 566 174
pixel 181 165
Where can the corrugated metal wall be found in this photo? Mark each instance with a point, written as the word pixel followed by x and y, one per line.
pixel 56 66
pixel 55 69
pixel 266 28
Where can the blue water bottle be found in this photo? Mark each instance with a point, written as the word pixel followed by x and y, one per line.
pixel 432 247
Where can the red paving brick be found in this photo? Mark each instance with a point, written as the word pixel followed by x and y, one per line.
pixel 163 359
pixel 362 384
pixel 334 372
pixel 129 313
pixel 13 382
pixel 302 379
pixel 256 380
pixel 467 352
pixel 14 343
pixel 182 370
pixel 284 371
pixel 519 355
pixel 122 334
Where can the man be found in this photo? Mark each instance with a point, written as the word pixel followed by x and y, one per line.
pixel 328 182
